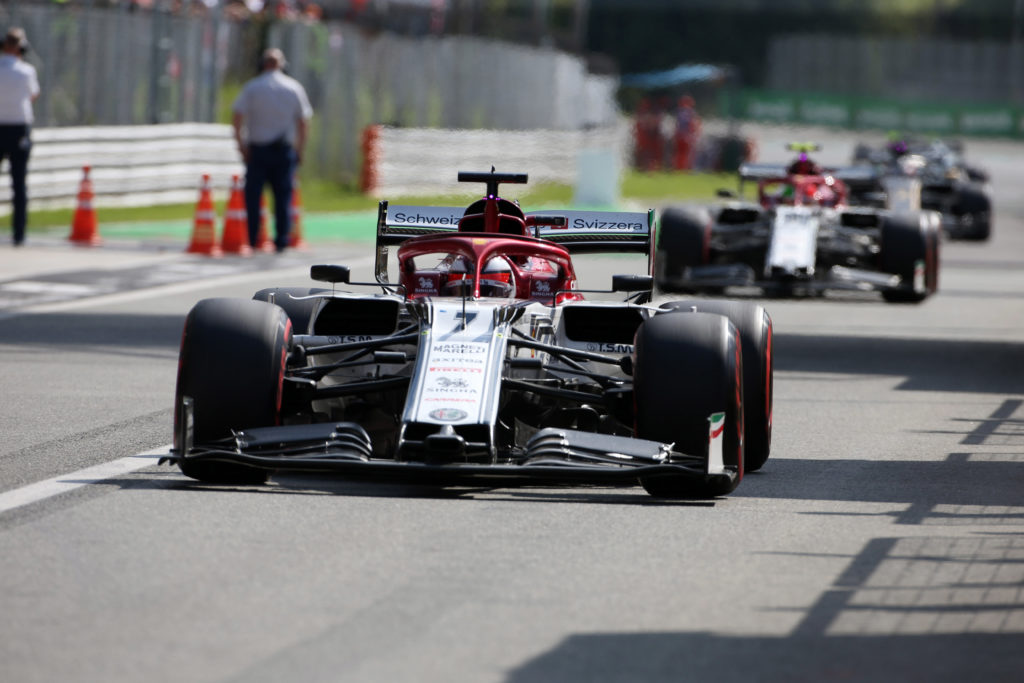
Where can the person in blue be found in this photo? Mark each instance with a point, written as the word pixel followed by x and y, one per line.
pixel 19 87
pixel 271 118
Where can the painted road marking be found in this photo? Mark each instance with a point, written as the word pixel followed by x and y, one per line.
pixel 48 488
pixel 186 285
pixel 37 287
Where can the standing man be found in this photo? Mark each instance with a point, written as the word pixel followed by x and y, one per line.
pixel 687 133
pixel 19 87
pixel 271 118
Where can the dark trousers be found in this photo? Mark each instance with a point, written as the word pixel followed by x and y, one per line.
pixel 274 164
pixel 15 145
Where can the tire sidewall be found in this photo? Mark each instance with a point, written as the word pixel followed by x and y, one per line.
pixel 688 366
pixel 232 364
pixel 757 337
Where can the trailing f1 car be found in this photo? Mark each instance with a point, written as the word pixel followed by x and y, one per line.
pixel 908 175
pixel 800 237
pixel 481 361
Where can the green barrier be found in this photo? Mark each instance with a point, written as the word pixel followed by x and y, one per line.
pixel 1001 121
pixel 840 111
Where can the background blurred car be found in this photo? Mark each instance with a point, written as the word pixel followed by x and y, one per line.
pixel 911 174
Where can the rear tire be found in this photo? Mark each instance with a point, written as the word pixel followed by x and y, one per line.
pixel 689 366
pixel 299 309
pixel 684 240
pixel 232 363
pixel 910 241
pixel 756 335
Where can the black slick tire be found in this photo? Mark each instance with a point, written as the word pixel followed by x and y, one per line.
pixel 688 366
pixel 683 241
pixel 756 334
pixel 232 362
pixel 974 202
pixel 909 241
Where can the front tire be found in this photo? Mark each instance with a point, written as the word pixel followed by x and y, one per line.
pixel 910 248
pixel 688 367
pixel 756 335
pixel 975 202
pixel 232 363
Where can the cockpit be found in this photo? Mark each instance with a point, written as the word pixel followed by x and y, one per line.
pixel 473 266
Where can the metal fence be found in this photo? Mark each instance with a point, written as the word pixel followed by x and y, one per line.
pixel 112 66
pixel 452 82
pixel 923 69
pixel 115 67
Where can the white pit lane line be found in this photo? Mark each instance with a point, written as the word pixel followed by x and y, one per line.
pixel 48 488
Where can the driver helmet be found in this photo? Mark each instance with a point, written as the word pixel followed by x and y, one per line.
pixel 804 166
pixel 496 280
pixel 897 145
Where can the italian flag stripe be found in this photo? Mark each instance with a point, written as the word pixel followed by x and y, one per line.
pixel 717 421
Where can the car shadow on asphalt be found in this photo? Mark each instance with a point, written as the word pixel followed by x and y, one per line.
pixel 298 484
pixel 318 485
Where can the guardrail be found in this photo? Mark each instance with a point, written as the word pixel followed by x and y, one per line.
pixel 163 164
pixel 130 165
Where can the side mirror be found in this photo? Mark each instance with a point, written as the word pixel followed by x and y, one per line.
pixel 328 273
pixel 725 194
pixel 632 283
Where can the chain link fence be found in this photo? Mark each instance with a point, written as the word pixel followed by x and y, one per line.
pixel 112 66
pixel 117 67
pixel 923 69
pixel 355 80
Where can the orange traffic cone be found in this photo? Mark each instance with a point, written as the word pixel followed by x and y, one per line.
pixel 235 239
pixel 263 241
pixel 295 238
pixel 84 228
pixel 204 229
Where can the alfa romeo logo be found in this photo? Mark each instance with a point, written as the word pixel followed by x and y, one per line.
pixel 448 414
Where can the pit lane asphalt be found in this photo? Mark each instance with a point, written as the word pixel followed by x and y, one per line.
pixel 881 542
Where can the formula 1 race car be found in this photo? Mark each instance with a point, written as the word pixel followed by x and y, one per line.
pixel 482 361
pixel 800 237
pixel 908 175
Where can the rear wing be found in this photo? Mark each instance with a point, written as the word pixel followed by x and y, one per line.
pixel 584 232
pixel 856 177
pixel 397 223
pixel 762 171
pixel 578 231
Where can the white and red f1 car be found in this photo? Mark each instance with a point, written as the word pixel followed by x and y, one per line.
pixel 801 237
pixel 482 360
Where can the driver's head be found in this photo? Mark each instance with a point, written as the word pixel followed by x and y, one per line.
pixel 803 166
pixel 497 265
pixel 898 148
pixel 496 279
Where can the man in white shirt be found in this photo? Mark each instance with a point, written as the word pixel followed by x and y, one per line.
pixel 19 87
pixel 271 118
